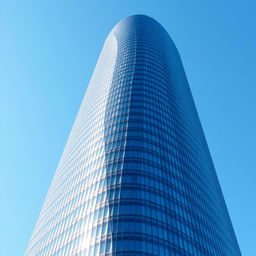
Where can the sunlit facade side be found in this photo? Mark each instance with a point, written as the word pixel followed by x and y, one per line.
pixel 136 176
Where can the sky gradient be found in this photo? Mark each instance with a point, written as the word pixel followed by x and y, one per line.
pixel 48 50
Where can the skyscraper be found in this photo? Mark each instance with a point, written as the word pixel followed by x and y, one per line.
pixel 136 176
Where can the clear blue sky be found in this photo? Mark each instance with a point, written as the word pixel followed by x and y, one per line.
pixel 48 50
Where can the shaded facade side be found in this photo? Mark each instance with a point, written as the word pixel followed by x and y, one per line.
pixel 136 176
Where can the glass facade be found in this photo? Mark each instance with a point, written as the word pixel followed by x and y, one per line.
pixel 136 176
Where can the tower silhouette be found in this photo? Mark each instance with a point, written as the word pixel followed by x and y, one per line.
pixel 136 176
